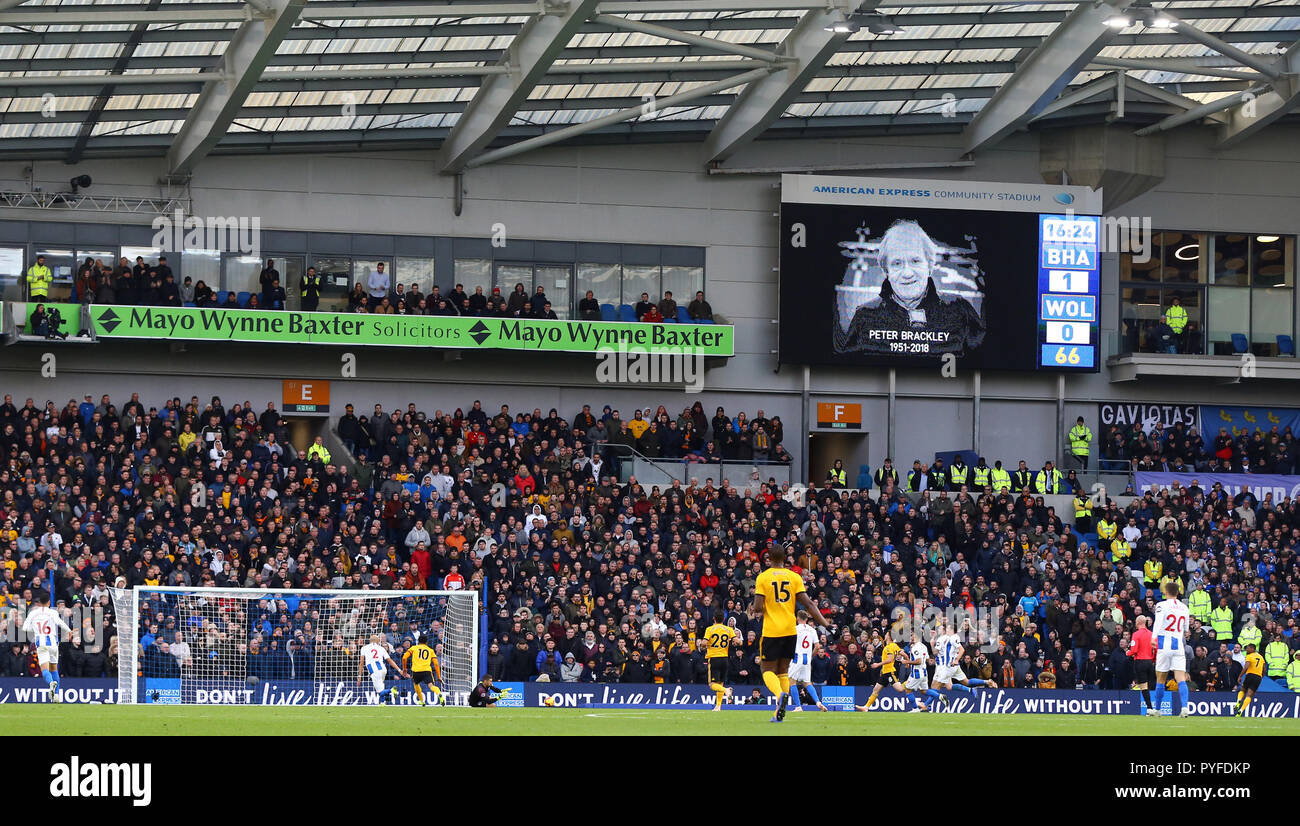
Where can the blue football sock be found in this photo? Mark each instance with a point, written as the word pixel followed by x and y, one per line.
pixel 1182 696
pixel 45 673
pixel 930 692
pixel 1158 695
pixel 55 672
pixel 972 682
pixel 960 687
pixel 794 695
pixel 812 690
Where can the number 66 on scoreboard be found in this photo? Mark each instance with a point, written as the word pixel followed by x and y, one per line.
pixel 1069 356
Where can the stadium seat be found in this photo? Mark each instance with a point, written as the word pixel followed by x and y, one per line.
pixel 626 313
pixel 189 304
pixel 608 313
pixel 682 316
pixel 1240 344
pixel 242 298
pixel 221 297
pixel 1285 346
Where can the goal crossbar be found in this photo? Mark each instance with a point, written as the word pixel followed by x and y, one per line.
pixel 289 646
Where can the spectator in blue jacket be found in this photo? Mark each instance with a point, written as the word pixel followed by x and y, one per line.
pixel 549 662
pixel 864 477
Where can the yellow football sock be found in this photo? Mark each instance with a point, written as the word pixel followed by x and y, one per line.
pixel 772 682
pixel 419 693
pixel 872 700
pixel 785 683
pixel 1240 694
pixel 1245 703
pixel 719 692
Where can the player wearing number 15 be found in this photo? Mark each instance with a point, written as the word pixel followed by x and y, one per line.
pixel 719 636
pixel 1172 620
pixel 776 594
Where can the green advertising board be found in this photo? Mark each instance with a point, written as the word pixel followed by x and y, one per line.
pixel 452 332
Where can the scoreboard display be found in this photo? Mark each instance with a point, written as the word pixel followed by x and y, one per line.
pixel 1069 291
pixel 893 272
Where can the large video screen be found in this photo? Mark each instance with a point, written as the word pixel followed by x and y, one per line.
pixel 882 272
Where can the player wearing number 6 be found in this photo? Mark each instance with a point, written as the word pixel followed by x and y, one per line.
pixel 805 648
pixel 776 593
pixel 42 627
pixel 1172 620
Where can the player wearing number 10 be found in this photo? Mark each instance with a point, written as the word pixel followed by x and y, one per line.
pixel 776 593
pixel 423 667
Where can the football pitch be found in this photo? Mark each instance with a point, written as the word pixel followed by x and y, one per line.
pixel 91 720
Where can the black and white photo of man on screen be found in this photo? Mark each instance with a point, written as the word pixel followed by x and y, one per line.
pixel 910 315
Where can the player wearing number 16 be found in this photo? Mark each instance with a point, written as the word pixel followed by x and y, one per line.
pixel 42 626
pixel 777 593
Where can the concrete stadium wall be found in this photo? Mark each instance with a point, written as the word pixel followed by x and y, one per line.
pixel 652 194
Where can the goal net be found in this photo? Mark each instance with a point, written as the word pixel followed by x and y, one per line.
pixel 283 647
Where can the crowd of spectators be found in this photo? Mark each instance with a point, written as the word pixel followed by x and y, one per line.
pixel 524 448
pixel 588 578
pixel 142 283
pixel 1181 449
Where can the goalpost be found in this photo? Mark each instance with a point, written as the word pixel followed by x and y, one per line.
pixel 285 647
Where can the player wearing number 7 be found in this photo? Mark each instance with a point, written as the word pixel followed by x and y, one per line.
pixel 1172 620
pixel 776 593
pixel 374 661
pixel 42 626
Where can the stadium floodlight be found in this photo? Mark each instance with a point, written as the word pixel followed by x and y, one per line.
pixel 80 182
pixel 253 645
pixel 844 26
pixel 879 24
pixel 1141 13
pixel 874 23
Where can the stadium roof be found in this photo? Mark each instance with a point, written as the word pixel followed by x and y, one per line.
pixel 474 79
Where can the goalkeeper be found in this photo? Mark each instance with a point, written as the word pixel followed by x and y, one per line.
pixel 422 663
pixel 482 695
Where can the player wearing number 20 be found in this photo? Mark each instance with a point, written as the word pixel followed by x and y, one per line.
pixel 1172 620
pixel 776 593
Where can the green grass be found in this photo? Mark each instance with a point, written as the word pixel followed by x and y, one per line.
pixel 323 720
